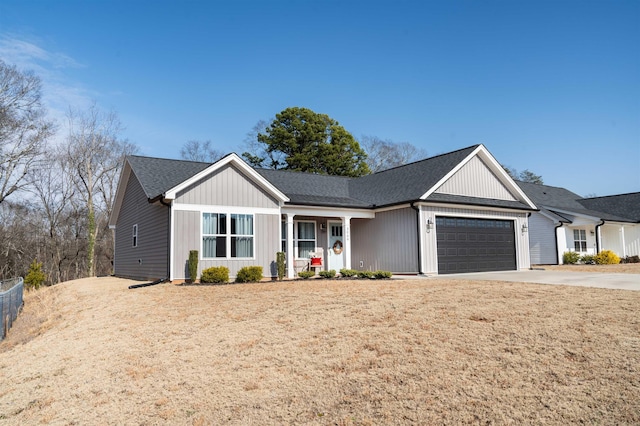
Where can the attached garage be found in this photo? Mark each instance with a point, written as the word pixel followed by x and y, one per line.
pixel 475 245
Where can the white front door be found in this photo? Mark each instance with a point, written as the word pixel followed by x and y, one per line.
pixel 335 257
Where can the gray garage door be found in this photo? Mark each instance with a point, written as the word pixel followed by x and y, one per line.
pixel 475 245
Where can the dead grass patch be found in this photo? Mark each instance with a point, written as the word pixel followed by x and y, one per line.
pixel 326 352
pixel 621 268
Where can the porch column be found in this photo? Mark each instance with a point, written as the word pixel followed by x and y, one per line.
pixel 624 249
pixel 346 230
pixel 291 271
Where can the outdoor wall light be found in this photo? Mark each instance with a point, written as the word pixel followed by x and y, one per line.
pixel 429 224
pixel 524 228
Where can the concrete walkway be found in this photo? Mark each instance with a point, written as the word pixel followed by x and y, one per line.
pixel 582 279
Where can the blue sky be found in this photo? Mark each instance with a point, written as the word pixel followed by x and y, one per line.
pixel 549 86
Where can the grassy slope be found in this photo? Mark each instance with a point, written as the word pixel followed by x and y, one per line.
pixel 393 352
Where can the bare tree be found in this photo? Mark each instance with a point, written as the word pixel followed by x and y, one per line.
pixel 23 127
pixel 95 153
pixel 203 151
pixel 386 154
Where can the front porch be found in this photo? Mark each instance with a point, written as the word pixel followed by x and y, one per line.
pixel 325 232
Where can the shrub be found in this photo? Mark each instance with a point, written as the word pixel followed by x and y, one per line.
pixel 216 274
pixel 327 274
pixel 35 277
pixel 366 274
pixel 193 265
pixel 306 274
pixel 280 264
pixel 570 257
pixel 380 275
pixel 249 274
pixel 607 257
pixel 631 259
pixel 588 259
pixel 348 273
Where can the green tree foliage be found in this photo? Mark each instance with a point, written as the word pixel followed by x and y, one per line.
pixel 302 140
pixel 35 277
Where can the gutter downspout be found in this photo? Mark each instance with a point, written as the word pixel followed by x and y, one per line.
pixel 417 209
pixel 598 236
pixel 168 238
pixel 555 231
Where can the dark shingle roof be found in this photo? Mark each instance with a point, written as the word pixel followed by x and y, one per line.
pixel 157 175
pixel 408 182
pixel 401 184
pixel 312 189
pixel 554 198
pixel 624 205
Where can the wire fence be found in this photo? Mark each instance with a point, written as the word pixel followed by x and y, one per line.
pixel 11 292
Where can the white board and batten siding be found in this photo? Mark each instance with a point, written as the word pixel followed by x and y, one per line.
pixel 149 259
pixel 225 191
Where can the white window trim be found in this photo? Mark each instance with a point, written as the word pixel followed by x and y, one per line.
pixel 296 251
pixel 296 240
pixel 134 242
pixel 228 235
pixel 586 242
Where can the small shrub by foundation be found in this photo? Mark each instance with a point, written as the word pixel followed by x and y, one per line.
pixel 216 274
pixel 348 273
pixel 381 275
pixel 570 257
pixel 327 274
pixel 366 274
pixel 588 259
pixel 249 274
pixel 305 275
pixel 607 257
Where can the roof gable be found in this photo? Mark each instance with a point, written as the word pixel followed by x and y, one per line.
pixel 408 182
pixel 242 167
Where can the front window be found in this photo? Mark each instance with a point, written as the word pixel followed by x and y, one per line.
pixel 227 235
pixel 580 239
pixel 304 238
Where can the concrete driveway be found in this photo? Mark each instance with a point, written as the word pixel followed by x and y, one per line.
pixel 582 279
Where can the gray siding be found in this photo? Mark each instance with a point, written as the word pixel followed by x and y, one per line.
pixel 542 240
pixel 149 260
pixel 475 179
pixel 388 242
pixel 188 237
pixel 227 187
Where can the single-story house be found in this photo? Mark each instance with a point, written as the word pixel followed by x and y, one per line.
pixel 451 213
pixel 567 222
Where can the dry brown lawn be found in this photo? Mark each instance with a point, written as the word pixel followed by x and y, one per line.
pixel 622 268
pixel 323 352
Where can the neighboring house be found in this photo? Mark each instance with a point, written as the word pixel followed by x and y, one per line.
pixel 567 222
pixel 455 212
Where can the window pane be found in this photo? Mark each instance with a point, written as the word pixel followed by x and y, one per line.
pixel 576 234
pixel 214 247
pixel 305 247
pixel 241 224
pixel 241 246
pixel 306 231
pixel 583 234
pixel 214 223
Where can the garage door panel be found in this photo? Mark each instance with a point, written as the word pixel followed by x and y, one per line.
pixel 475 245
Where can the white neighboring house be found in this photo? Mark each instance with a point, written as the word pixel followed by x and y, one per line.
pixel 568 222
